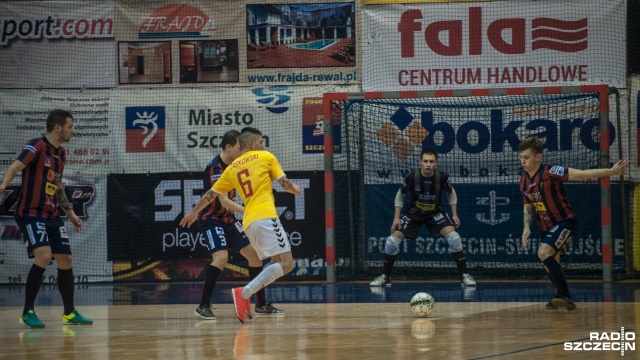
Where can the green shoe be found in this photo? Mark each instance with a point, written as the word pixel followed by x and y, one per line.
pixel 30 319
pixel 74 318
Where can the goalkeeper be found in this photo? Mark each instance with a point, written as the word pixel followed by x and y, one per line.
pixel 425 186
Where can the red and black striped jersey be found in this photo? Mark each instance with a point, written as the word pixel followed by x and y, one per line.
pixel 44 165
pixel 212 173
pixel 545 190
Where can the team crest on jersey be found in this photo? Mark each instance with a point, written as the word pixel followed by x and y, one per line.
pixel 558 170
pixel 47 161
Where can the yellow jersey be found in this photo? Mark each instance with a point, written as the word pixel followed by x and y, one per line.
pixel 252 175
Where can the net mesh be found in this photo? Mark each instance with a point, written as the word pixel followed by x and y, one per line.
pixel 476 139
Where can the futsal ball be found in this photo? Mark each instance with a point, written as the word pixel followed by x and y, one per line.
pixel 422 304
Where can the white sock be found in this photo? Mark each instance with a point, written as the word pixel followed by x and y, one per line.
pixel 268 275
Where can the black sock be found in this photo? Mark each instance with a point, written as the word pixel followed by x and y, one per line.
pixel 261 295
pixel 65 286
pixel 461 261
pixel 209 283
pixel 34 280
pixel 557 275
pixel 553 282
pixel 389 260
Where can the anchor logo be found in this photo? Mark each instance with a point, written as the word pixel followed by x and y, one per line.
pixel 493 201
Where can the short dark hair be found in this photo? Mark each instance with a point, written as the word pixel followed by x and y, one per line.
pixel 532 143
pixel 229 138
pixel 57 117
pixel 428 151
pixel 247 134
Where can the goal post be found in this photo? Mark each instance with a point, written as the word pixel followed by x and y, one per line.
pixel 373 139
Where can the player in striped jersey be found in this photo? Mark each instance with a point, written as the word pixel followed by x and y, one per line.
pixel 42 162
pixel 544 197
pixel 252 176
pixel 217 221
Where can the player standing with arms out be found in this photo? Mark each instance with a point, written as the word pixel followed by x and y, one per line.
pixel 252 176
pixel 217 221
pixel 42 162
pixel 544 197
pixel 425 186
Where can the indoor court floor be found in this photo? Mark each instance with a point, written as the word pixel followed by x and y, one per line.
pixel 496 320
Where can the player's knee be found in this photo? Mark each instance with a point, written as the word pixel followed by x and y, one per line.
pixel 42 256
pixel 454 241
pixel 219 259
pixel 544 251
pixel 392 245
pixel 287 265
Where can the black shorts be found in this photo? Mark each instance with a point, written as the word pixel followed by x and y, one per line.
pixel 560 234
pixel 410 225
pixel 221 236
pixel 37 232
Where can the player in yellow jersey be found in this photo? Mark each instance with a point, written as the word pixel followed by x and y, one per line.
pixel 252 175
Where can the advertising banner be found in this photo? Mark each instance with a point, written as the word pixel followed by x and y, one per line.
pixel 23 114
pixel 493 44
pixel 145 212
pixel 180 129
pixel 163 42
pixel 57 44
pixel 491 228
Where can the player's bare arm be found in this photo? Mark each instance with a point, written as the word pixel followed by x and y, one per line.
pixel 205 200
pixel 65 205
pixel 528 218
pixel 13 170
pixel 230 204
pixel 617 169
pixel 289 187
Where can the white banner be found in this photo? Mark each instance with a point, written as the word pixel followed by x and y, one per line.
pixel 57 44
pixel 176 130
pixel 496 44
pixel 23 114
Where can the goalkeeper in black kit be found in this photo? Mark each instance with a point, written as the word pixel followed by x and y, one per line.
pixel 425 186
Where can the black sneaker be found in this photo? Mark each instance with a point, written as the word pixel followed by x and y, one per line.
pixel 268 310
pixel 550 306
pixel 205 313
pixel 563 302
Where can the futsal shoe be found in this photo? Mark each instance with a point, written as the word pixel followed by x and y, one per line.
pixel 30 319
pixel 468 280
pixel 268 310
pixel 74 318
pixel 205 312
pixel 550 305
pixel 563 302
pixel 381 280
pixel 242 305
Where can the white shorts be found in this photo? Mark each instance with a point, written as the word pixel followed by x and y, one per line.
pixel 268 237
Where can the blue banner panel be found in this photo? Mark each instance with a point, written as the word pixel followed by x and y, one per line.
pixel 491 228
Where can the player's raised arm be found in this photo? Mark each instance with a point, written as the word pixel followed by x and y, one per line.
pixel 205 200
pixel 617 169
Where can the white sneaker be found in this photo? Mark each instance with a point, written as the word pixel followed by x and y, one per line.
pixel 468 280
pixel 381 280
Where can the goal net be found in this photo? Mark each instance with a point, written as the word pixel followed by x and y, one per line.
pixel 380 139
